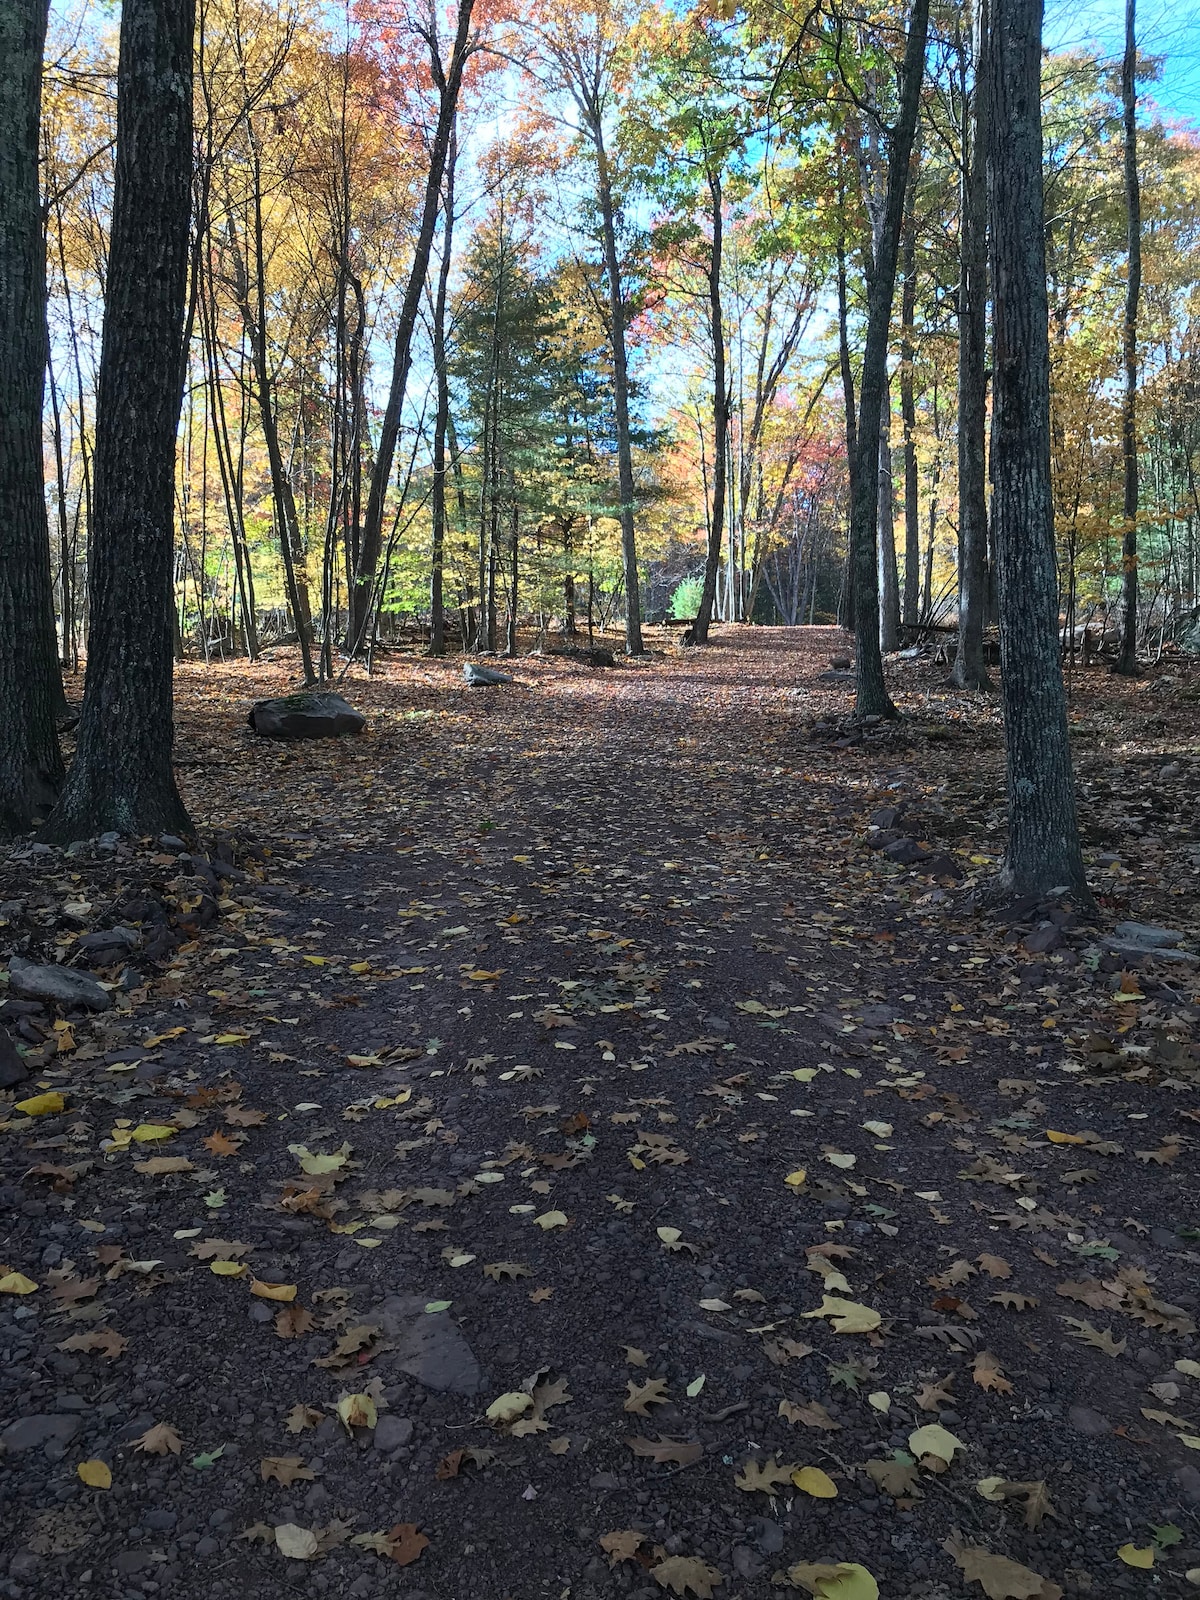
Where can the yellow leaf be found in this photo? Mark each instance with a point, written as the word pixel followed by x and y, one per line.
pixel 274 1291
pixel 880 1400
pixel 16 1283
pixel 934 1440
pixel 359 967
pixel 480 976
pixel 827 1580
pixel 95 1474
pixel 315 961
pixel 357 1411
pixel 508 1407
pixel 41 1105
pixel 811 1480
pixel 148 1132
pixel 1055 1137
pixel 231 1038
pixel 226 1269
pixel 848 1315
pixel 1137 1555
pixel 797 1179
pixel 551 1219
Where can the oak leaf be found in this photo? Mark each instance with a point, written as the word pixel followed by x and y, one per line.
pixel 685 1575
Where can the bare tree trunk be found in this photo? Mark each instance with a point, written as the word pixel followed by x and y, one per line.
pixel 121 777
pixel 872 696
pixel 1043 835
pixel 30 680
pixel 846 598
pixel 1126 663
pixel 889 578
pixel 969 671
pixel 908 412
pixel 698 632
pixel 437 603
pixel 447 78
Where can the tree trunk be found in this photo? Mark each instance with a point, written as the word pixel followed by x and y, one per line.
pixel 448 80
pixel 889 578
pixel 437 603
pixel 908 412
pixel 1043 836
pixel 846 598
pixel 121 778
pixel 872 696
pixel 716 321
pixel 1126 662
pixel 30 681
pixel 969 671
pixel 616 317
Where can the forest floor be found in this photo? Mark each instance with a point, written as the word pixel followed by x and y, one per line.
pixel 564 1052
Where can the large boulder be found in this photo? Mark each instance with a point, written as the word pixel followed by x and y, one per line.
pixel 480 677
pixel 61 985
pixel 305 716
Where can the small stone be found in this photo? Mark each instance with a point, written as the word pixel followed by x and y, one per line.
pixel 1044 938
pixel 1088 1422
pixel 1188 1479
pixel 906 852
pixel 392 1433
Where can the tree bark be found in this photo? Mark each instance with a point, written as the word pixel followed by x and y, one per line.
pixel 30 680
pixel 121 778
pixel 448 80
pixel 437 601
pixel 1043 835
pixel 872 698
pixel 846 598
pixel 720 407
pixel 889 578
pixel 1126 663
pixel 908 413
pixel 969 671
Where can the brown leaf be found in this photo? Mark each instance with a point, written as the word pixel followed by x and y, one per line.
pixel 220 1250
pixel 499 1271
pixel 302 1416
pixel 1014 1300
pixel 764 1477
pixel 220 1144
pixel 406 1543
pixel 293 1322
pixel 995 1266
pixel 1097 1338
pixel 989 1374
pixel 1088 1292
pixel 640 1399
pixel 812 1414
pixel 635 1357
pixel 284 1469
pixel 685 1575
pixel 683 1452
pixel 622 1545
pixel 101 1341
pixel 160 1440
pixel 897 1478
pixel 1000 1578
pixel 1035 1496
pixel 935 1396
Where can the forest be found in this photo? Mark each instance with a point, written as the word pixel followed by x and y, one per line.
pixel 599 742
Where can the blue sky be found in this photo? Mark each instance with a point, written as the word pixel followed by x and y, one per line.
pixel 1167 29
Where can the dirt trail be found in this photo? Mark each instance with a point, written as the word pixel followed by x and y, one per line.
pixel 579 1012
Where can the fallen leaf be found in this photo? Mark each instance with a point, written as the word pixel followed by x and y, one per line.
pixel 272 1291
pixel 96 1474
pixel 812 1414
pixel 160 1440
pixel 357 1411
pixel 16 1283
pixel 812 1481
pixel 508 1407
pixel 842 1580
pixel 764 1477
pixel 284 1469
pixel 1137 1555
pixel 1000 1578
pixel 687 1575
pixel 934 1441
pixel 847 1315
pixel 41 1105
pixel 683 1452
pixel 296 1543
pixel 621 1545
pixel 640 1399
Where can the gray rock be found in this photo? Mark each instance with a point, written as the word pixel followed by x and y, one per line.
pixel 107 946
pixel 1088 1422
pixel 1147 935
pixel 480 677
pixel 1045 937
pixel 1188 1479
pixel 29 1433
pixel 171 842
pixel 392 1433
pixel 1128 948
pixel 12 1063
pixel 907 852
pixel 61 984
pixel 427 1345
pixel 305 716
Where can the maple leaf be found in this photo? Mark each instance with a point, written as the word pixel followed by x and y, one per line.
pixel 995 1266
pixel 898 1477
pixel 640 1399
pixel 284 1469
pixel 220 1249
pixel 765 1476
pixel 684 1452
pixel 220 1145
pixel 160 1440
pixel 1033 1495
pixel 687 1575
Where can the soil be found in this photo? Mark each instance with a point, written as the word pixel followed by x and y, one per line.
pixel 575 1036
